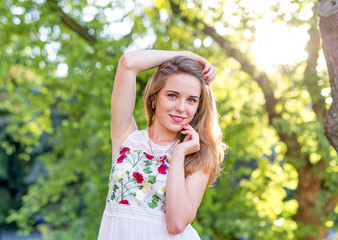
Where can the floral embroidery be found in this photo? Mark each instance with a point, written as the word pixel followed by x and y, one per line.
pixel 161 190
pixel 122 154
pixel 146 187
pixel 124 150
pixel 136 178
pixel 124 202
pixel 162 169
pixel 127 168
pixel 139 195
pixel 120 159
pixel 148 156
pixel 119 175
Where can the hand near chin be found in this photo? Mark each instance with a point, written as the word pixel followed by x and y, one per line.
pixel 191 142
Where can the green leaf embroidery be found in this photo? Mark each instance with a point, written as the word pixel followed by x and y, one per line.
pixel 155 198
pixel 153 204
pixel 113 196
pixel 148 163
pixel 152 179
pixel 147 170
pixel 115 187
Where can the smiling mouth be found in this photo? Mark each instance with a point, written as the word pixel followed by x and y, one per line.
pixel 177 118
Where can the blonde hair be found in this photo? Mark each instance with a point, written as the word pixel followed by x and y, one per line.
pixel 211 152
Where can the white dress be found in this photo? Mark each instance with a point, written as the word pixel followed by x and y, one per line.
pixel 135 202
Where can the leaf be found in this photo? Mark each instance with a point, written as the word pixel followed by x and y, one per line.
pixel 147 170
pixel 152 179
pixel 148 163
pixel 155 198
pixel 153 204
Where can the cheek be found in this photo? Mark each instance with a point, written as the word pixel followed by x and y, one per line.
pixel 192 111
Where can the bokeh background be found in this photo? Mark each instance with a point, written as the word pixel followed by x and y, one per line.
pixel 57 64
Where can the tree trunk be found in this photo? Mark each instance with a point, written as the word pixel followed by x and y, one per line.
pixel 307 193
pixel 328 24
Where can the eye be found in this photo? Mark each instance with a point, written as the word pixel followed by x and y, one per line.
pixel 172 96
pixel 192 100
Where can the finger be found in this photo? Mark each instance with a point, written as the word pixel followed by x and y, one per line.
pixel 190 130
pixel 189 127
pixel 206 69
pixel 188 136
pixel 210 74
pixel 186 132
pixel 212 77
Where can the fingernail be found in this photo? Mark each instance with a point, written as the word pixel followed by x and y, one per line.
pixel 205 77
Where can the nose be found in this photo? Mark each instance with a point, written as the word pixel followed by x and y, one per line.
pixel 180 107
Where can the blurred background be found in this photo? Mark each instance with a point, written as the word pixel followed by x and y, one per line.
pixel 57 64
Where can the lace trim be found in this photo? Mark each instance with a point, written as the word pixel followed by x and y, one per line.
pixel 128 211
pixel 139 140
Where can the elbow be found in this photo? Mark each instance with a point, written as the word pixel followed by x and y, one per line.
pixel 178 225
pixel 175 228
pixel 126 61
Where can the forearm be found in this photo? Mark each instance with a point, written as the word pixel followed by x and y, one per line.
pixel 180 210
pixel 144 60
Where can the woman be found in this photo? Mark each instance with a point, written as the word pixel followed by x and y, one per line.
pixel 147 199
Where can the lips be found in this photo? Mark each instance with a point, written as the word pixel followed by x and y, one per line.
pixel 177 119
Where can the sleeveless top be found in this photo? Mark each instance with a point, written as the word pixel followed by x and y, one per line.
pixel 135 204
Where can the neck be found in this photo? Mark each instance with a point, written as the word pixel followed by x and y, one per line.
pixel 161 137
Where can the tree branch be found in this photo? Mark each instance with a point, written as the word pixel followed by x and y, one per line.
pixel 69 22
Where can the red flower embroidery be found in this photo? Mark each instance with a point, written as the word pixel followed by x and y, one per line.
pixel 162 159
pixel 148 156
pixel 138 176
pixel 123 201
pixel 120 159
pixel 124 150
pixel 162 169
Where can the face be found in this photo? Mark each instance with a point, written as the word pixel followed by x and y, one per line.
pixel 177 103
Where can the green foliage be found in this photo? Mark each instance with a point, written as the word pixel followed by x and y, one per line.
pixel 58 140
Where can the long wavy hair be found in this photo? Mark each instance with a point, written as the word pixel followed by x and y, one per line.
pixel 205 121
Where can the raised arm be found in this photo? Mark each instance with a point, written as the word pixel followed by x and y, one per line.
pixel 124 91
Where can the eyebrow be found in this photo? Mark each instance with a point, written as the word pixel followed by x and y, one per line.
pixel 179 94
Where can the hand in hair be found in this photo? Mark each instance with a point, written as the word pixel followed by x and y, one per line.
pixel 208 71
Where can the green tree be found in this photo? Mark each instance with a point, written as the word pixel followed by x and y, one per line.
pixel 305 150
pixel 55 90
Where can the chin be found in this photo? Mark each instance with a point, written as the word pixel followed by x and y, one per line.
pixel 176 128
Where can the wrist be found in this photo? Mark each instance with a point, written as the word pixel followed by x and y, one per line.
pixel 186 53
pixel 178 153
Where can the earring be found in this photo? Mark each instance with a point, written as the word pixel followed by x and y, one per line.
pixel 153 104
